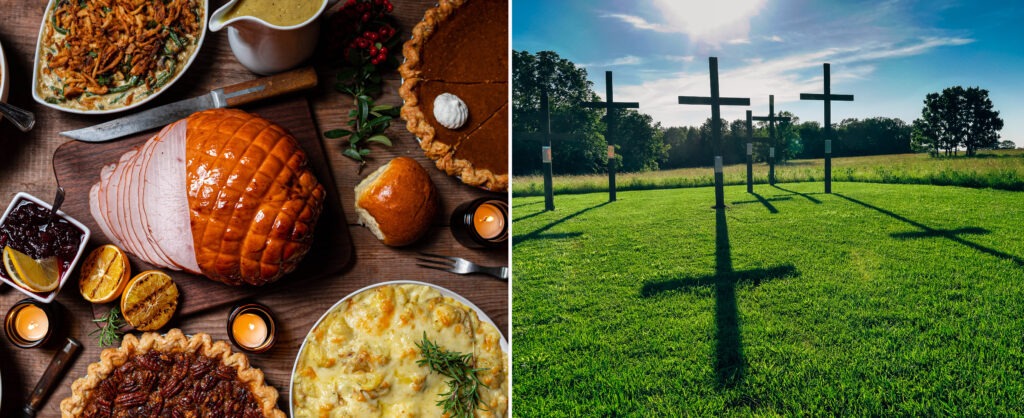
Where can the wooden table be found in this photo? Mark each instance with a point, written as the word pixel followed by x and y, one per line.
pixel 25 165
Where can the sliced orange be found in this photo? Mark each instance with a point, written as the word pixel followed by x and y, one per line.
pixel 104 275
pixel 39 276
pixel 149 300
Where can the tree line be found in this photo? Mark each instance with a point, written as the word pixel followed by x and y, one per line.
pixel 579 146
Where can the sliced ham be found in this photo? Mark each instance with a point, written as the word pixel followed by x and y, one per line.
pixel 222 193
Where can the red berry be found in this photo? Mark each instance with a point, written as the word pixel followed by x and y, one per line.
pixel 372 36
pixel 366 17
pixel 373 50
pixel 384 50
pixel 389 7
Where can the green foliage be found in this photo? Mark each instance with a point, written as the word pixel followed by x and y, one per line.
pixel 957 118
pixel 906 304
pixel 580 148
pixel 993 169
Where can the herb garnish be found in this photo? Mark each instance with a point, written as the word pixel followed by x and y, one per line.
pixel 110 332
pixel 462 397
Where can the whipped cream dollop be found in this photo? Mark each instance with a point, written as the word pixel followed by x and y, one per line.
pixel 450 111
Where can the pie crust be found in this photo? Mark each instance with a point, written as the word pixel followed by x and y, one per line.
pixel 467 56
pixel 172 342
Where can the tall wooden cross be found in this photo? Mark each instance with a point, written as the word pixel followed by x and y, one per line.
pixel 611 114
pixel 549 195
pixel 828 98
pixel 750 152
pixel 715 101
pixel 772 139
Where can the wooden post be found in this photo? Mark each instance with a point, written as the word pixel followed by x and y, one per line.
pixel 772 137
pixel 549 194
pixel 715 101
pixel 719 184
pixel 611 121
pixel 750 153
pixel 828 98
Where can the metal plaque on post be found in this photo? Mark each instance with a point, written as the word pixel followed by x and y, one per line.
pixel 545 154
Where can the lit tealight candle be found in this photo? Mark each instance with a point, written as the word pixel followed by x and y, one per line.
pixel 481 223
pixel 488 221
pixel 249 330
pixel 251 327
pixel 28 324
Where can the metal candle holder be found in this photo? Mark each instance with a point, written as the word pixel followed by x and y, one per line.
pixel 10 326
pixel 263 313
pixel 464 229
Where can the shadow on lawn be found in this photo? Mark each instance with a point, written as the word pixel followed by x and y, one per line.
pixel 539 232
pixel 951 234
pixel 766 202
pixel 803 195
pixel 525 217
pixel 729 360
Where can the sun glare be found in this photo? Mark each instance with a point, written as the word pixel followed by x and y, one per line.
pixel 710 21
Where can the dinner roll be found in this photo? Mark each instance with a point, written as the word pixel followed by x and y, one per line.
pixel 398 202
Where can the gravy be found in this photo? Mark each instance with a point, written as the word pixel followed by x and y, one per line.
pixel 276 12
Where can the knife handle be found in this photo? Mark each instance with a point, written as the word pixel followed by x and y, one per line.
pixel 275 85
pixel 52 375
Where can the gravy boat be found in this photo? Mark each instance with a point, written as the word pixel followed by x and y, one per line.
pixel 265 48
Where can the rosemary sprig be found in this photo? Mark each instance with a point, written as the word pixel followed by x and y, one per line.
pixel 368 121
pixel 462 397
pixel 110 332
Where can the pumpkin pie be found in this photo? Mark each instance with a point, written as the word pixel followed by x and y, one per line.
pixel 171 375
pixel 461 48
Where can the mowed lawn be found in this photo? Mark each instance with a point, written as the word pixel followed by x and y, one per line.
pixel 1003 169
pixel 876 300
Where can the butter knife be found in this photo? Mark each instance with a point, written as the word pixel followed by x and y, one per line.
pixel 50 377
pixel 235 95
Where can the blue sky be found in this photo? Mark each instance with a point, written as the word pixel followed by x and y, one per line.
pixel 888 54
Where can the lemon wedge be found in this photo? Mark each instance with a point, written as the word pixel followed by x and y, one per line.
pixel 39 276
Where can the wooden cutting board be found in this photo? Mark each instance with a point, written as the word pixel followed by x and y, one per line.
pixel 77 167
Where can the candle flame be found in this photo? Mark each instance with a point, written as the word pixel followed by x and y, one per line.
pixel 252 326
pixel 32 325
pixel 488 218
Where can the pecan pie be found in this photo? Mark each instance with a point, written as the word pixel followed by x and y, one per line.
pixel 173 376
pixel 461 48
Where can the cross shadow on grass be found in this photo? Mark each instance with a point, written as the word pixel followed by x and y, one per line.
pixel 766 202
pixel 525 217
pixel 803 195
pixel 539 232
pixel 729 360
pixel 927 231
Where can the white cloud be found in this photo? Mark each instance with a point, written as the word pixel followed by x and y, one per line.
pixel 703 21
pixel 785 77
pixel 773 38
pixel 738 41
pixel 680 58
pixel 626 60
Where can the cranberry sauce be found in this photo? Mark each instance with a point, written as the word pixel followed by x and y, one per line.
pixel 23 231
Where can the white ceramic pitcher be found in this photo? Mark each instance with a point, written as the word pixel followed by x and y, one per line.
pixel 265 48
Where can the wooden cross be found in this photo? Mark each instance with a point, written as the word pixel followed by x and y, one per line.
pixel 549 195
pixel 772 140
pixel 610 106
pixel 828 98
pixel 715 101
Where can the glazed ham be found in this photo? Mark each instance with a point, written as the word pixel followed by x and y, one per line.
pixel 222 193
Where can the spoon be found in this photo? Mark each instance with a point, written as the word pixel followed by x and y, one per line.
pixel 57 201
pixel 22 118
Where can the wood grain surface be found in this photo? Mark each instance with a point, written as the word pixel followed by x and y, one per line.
pixel 331 250
pixel 25 165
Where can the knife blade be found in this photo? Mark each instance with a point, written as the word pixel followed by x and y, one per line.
pixel 51 377
pixel 234 95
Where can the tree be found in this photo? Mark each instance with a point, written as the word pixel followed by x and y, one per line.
pixel 957 117
pixel 581 148
pixel 640 141
pixel 1006 145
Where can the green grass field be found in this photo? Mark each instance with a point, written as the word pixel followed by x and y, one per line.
pixel 995 169
pixel 876 300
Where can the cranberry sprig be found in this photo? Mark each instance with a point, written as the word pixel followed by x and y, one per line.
pixel 362 37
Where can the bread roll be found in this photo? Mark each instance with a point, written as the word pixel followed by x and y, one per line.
pixel 398 202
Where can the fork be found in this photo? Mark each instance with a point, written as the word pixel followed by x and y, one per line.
pixel 459 265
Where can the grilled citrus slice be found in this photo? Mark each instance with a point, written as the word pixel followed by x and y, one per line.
pixel 39 276
pixel 105 273
pixel 149 300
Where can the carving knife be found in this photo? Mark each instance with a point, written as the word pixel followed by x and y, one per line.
pixel 51 377
pixel 235 95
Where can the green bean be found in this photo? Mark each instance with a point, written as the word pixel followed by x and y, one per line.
pixel 132 82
